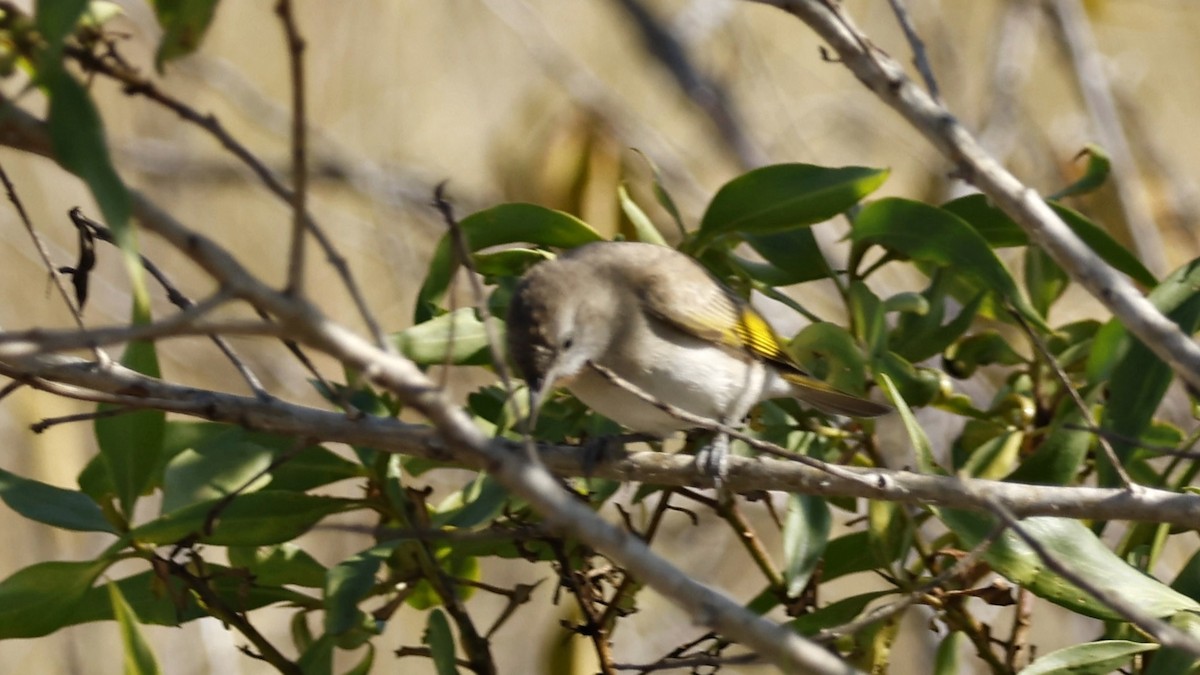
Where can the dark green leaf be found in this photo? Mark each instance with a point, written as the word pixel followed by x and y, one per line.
pixel 77 137
pixel 255 519
pixel 441 643
pixel 457 338
pixel 1092 658
pixel 504 224
pixel 213 470
pixel 830 353
pixel 169 603
pixel 784 196
pixel 849 554
pixel 480 501
pixel 1045 281
pixel 350 581
pixel 42 598
pixel 1000 231
pixel 184 23
pixel 918 337
pixel 67 509
pixel 318 658
pixel 805 534
pixel 132 443
pixel 984 348
pixel 1071 543
pixel 139 659
pixel 282 565
pixel 835 614
pixel 1059 457
pixel 937 237
pixel 795 253
pixel 55 19
pixel 1140 380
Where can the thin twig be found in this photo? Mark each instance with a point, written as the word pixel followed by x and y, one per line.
pixel 608 620
pixel 46 423
pixel 920 56
pixel 693 662
pixel 296 45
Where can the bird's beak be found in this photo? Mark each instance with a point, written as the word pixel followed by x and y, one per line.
pixel 538 393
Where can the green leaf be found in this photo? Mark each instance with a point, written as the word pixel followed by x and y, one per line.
pixel 922 448
pixel 350 581
pixel 55 20
pixel 167 602
pixel 830 353
pixel 794 253
pixel 284 564
pixel 1092 658
pixel 503 224
pixel 41 598
pixel 480 501
pixel 935 236
pixel 949 654
pixel 131 443
pixel 784 196
pixel 213 470
pixel 917 337
pixel 66 509
pixel 661 194
pixel 1140 379
pixel 1059 457
pixel 835 614
pixel 849 554
pixel 139 659
pixel 1070 543
pixel 805 534
pixel 458 338
pixel 364 666
pixel 255 519
pixel 318 658
pixel 1000 231
pixel 1097 171
pixel 441 643
pixel 1045 281
pixel 184 23
pixel 643 228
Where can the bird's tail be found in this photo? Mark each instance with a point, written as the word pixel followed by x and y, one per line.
pixel 830 400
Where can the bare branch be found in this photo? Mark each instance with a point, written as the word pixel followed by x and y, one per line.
pixel 295 43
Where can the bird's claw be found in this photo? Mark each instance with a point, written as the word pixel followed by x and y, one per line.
pixel 713 460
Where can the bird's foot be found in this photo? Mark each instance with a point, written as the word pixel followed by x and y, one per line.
pixel 713 460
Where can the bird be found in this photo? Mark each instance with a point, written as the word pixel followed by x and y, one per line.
pixel 657 319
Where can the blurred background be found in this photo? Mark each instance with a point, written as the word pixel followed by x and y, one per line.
pixel 546 101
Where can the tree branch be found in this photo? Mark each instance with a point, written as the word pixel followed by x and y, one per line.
pixel 885 77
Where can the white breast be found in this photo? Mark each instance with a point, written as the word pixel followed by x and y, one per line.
pixel 683 371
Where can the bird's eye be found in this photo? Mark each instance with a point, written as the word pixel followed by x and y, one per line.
pixel 567 342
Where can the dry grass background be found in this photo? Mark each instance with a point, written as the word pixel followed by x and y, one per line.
pixel 541 100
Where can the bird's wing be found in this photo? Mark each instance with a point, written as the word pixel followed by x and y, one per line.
pixel 701 306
